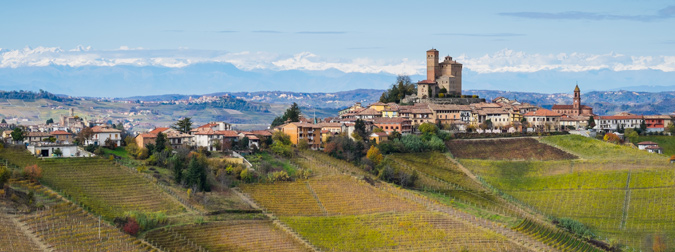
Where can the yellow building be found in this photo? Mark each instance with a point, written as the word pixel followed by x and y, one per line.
pixel 301 130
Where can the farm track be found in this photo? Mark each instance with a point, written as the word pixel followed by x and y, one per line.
pixel 26 231
pixel 626 204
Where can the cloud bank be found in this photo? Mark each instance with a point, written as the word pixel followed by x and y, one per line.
pixel 499 62
pixel 665 13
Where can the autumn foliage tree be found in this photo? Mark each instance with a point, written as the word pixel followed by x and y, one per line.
pixel 131 227
pixel 611 138
pixel 374 155
pixel 33 172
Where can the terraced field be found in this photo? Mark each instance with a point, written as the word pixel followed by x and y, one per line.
pixel 622 193
pixel 103 187
pixel 248 235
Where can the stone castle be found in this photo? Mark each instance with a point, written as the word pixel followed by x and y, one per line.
pixel 442 77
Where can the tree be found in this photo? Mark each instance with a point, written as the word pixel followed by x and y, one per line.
pixel 360 129
pixel 17 134
pixel 49 121
pixel 429 128
pixel 183 125
pixel 374 155
pixel 196 176
pixel 402 87
pixel 160 142
pixel 176 164
pixel 3 120
pixel 84 135
pixel 378 130
pixel 4 175
pixel 51 139
pixel 58 152
pixel 243 143
pixel 611 138
pixel 643 126
pixel 33 172
pixel 631 135
pixel 591 123
pixel 671 128
pixel 659 245
pixel 292 114
pixel 394 135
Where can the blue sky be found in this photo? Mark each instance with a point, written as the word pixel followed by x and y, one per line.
pixel 352 36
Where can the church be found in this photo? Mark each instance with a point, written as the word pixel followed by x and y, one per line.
pixel 576 109
pixel 441 76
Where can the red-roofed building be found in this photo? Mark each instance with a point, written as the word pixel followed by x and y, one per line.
pixel 623 120
pixel 543 120
pixel 576 109
pixel 657 123
pixel 62 136
pixel 103 133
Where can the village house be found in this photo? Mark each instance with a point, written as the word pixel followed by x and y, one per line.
pixel 622 120
pixel 103 133
pixel 651 147
pixel 378 137
pixel 657 123
pixel 303 131
pixel 209 138
pixel 418 114
pixel 63 136
pixel 482 112
pixel 253 140
pixel 48 149
pixel 399 124
pixel 450 113
pixel 543 120
pixel 36 137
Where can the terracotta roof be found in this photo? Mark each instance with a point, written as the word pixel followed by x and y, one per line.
pixel 486 111
pixel 390 120
pixel 652 117
pixel 38 134
pixel 262 132
pixel 148 135
pixel 227 133
pixel 104 129
pixel 305 125
pixel 380 134
pixel 647 143
pixel 330 124
pixel 652 147
pixel 421 111
pixel 620 117
pixel 449 107
pixel 378 104
pixel 252 137
pixel 61 132
pixel 542 112
pixel 369 111
pixel 157 130
pixel 208 125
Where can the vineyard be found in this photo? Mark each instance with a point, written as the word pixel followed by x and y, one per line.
pixel 630 203
pixel 338 210
pixel 63 226
pixel 412 231
pixel 590 148
pixel 243 235
pixel 506 149
pixel 99 185
pixel 12 237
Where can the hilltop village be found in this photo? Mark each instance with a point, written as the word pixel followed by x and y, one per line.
pixel 438 100
pixel 427 168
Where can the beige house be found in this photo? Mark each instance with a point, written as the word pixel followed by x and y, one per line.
pixel 543 120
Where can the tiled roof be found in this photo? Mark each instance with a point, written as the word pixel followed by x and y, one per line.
pixel 620 117
pixel 542 112
pixel 208 125
pixel 61 132
pixel 369 111
pixel 157 130
pixel 37 134
pixel 104 129
pixel 653 147
pixel 389 120
pixel 647 143
pixel 262 132
pixel 148 135
pixel 449 107
pixel 227 133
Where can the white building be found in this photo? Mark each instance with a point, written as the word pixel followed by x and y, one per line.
pixel 47 150
pixel 103 133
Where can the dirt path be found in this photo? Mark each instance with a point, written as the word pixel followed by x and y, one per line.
pixel 29 234
pixel 275 220
pixel 626 204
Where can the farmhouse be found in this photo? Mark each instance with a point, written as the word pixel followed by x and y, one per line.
pixel 103 133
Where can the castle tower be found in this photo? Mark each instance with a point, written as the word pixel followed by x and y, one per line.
pixel 577 100
pixel 432 65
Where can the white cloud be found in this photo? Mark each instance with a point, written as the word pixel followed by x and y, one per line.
pixel 501 61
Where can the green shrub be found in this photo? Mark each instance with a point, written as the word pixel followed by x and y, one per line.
pixel 575 227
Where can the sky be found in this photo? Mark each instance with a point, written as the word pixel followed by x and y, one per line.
pixel 351 36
